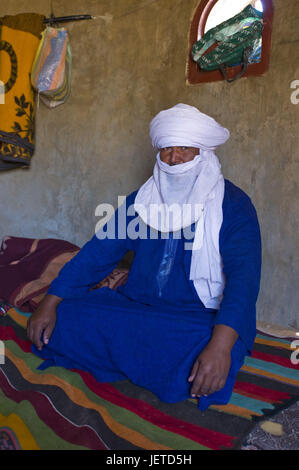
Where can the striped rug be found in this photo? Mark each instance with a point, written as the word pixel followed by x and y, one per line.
pixel 70 410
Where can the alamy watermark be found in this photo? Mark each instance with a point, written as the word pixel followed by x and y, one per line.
pixel 2 93
pixel 295 354
pixel 295 94
pixel 127 224
pixel 2 353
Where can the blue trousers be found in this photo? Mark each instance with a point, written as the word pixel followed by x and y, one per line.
pixel 155 347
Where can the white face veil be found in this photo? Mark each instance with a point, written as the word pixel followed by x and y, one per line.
pixel 192 192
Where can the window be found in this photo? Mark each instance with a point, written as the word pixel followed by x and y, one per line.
pixel 210 13
pixel 225 9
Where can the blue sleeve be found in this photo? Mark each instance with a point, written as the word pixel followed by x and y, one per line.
pixel 240 247
pixel 96 259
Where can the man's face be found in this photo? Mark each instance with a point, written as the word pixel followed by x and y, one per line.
pixel 177 155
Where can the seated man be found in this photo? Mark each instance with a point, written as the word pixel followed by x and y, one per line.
pixel 184 321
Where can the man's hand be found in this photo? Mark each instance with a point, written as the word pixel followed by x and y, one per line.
pixel 210 371
pixel 211 368
pixel 43 320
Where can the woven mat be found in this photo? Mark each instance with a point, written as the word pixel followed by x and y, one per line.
pixel 62 409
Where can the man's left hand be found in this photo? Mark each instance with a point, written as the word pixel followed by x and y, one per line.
pixel 210 370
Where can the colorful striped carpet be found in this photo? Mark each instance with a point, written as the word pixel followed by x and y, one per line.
pixel 61 409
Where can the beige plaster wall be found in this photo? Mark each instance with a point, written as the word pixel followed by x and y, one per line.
pixel 128 64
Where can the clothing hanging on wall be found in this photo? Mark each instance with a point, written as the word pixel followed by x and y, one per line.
pixel 19 40
pixel 52 67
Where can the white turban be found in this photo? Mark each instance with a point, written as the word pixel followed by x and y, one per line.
pixel 185 125
pixel 198 184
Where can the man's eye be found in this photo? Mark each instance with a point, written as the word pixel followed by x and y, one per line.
pixel 184 148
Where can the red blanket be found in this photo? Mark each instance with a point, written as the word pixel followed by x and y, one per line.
pixel 27 268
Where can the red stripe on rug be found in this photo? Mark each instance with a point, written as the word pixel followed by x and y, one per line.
pixel 255 391
pixel 80 435
pixel 7 332
pixel 282 361
pixel 212 439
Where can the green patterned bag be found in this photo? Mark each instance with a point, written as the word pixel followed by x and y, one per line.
pixel 235 41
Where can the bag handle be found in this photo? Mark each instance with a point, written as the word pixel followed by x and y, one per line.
pixel 246 53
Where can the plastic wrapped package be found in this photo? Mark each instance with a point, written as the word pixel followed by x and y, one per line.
pixel 51 70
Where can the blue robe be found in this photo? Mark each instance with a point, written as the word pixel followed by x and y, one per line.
pixel 152 329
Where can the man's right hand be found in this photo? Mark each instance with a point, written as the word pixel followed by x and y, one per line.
pixel 43 320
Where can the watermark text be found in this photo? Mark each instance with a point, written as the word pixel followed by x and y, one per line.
pixel 295 94
pixel 132 222
pixel 2 353
pixel 2 93
pixel 295 354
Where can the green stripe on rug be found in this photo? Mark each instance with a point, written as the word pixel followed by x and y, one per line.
pixel 273 368
pixel 274 338
pixel 250 403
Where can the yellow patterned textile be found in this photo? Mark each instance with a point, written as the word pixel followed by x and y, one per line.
pixel 19 40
